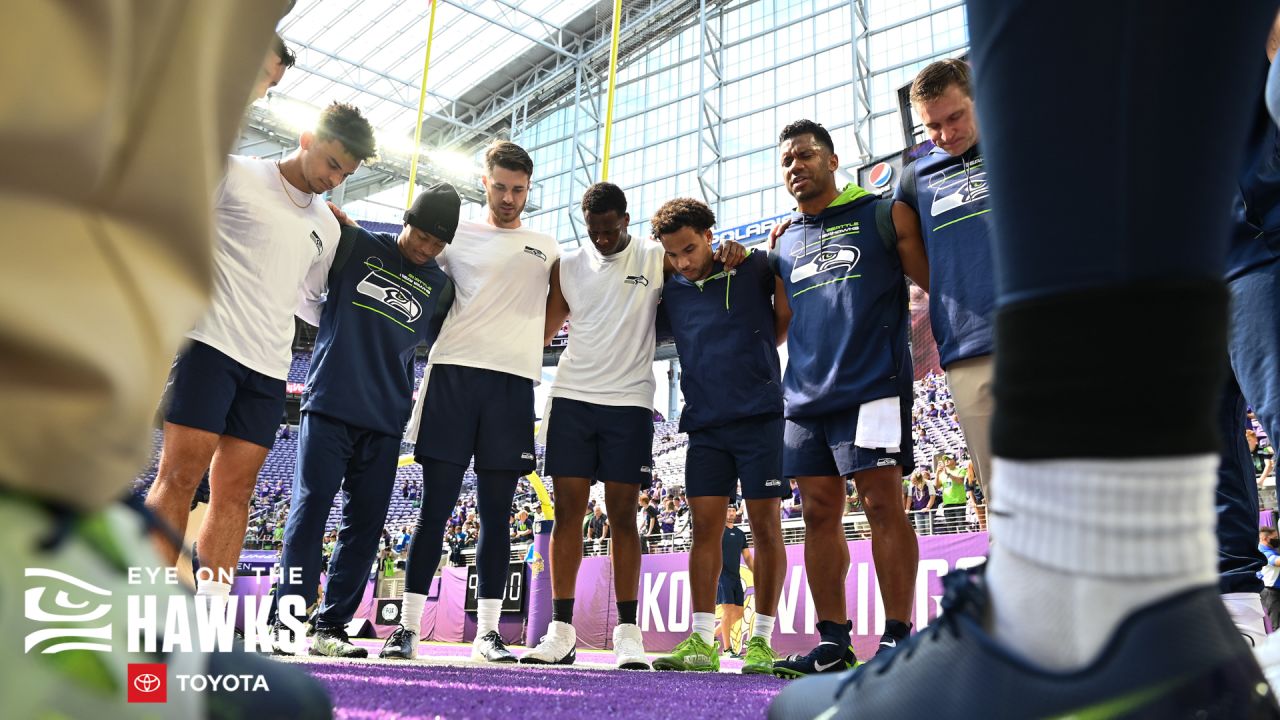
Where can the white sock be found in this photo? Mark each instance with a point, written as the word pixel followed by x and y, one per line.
pixel 762 626
pixel 1085 543
pixel 1246 612
pixel 487 612
pixel 411 611
pixel 217 592
pixel 704 624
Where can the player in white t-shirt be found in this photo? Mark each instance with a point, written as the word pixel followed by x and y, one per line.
pixel 477 398
pixel 275 242
pixel 599 421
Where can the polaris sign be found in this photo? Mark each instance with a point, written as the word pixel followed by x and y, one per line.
pixel 751 233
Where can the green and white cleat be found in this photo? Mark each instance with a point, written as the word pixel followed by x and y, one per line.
pixel 759 658
pixel 694 655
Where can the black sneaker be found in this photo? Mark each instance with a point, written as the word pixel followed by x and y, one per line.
pixel 1179 658
pixel 277 648
pixel 402 644
pixel 333 642
pixel 490 648
pixel 895 633
pixel 832 655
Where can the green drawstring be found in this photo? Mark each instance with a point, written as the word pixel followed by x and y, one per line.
pixel 727 283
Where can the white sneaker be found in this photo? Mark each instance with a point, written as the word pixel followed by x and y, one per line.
pixel 628 648
pixel 1268 656
pixel 1246 612
pixel 491 648
pixel 558 646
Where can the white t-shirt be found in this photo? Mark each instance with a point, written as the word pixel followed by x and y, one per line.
pixel 612 301
pixel 270 254
pixel 500 277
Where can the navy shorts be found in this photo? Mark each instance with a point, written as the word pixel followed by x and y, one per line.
pixel 613 443
pixel 749 450
pixel 824 446
pixel 475 412
pixel 730 592
pixel 209 391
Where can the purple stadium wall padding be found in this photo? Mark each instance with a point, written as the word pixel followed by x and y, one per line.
pixel 665 612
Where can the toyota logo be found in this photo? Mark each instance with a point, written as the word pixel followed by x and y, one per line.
pixel 146 683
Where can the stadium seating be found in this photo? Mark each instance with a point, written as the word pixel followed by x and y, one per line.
pixel 275 482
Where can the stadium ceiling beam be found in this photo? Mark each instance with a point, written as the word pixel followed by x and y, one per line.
pixel 373 22
pixel 860 46
pixel 403 92
pixel 355 85
pixel 547 83
pixel 566 37
pixel 509 28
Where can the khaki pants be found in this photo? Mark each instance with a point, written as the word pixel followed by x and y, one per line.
pixel 970 383
pixel 115 120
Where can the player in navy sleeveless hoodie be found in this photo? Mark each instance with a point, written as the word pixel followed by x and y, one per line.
pixel 726 318
pixel 384 300
pixel 1099 596
pixel 942 205
pixel 847 388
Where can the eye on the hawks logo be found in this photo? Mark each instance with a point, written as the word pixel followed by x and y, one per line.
pixel 880 176
pixel 75 611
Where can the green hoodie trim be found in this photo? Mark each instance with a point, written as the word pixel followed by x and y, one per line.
pixel 850 193
pixel 722 274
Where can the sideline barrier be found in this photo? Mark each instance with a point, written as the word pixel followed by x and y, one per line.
pixel 665 613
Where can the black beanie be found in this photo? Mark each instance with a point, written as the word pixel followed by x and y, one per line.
pixel 435 211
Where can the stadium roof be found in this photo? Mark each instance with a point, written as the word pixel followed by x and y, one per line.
pixel 370 52
pixel 492 61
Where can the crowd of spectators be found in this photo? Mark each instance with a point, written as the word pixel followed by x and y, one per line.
pixel 939 494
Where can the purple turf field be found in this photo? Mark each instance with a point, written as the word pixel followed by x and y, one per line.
pixel 441 687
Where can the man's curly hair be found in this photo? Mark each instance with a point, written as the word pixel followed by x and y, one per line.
pixel 681 213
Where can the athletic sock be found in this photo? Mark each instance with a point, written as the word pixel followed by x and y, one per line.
pixel 835 632
pixel 897 629
pixel 704 624
pixel 762 626
pixel 217 592
pixel 1245 609
pixel 627 611
pixel 562 610
pixel 411 611
pixel 487 612
pixel 1085 543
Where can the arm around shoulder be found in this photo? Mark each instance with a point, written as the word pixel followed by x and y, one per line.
pixel 781 309
pixel 557 307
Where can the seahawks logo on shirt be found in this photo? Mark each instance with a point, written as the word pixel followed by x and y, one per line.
pixel 827 259
pixel 959 188
pixel 315 238
pixel 536 253
pixel 386 291
pixel 637 280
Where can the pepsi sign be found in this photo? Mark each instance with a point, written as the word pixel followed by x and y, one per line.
pixel 880 176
